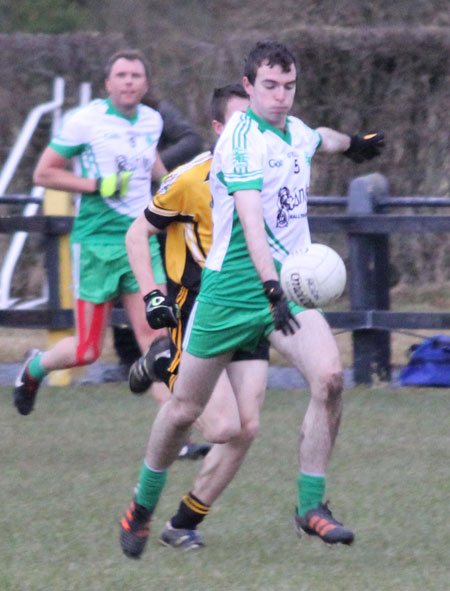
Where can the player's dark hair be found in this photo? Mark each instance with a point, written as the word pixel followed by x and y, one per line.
pixel 128 54
pixel 220 99
pixel 270 52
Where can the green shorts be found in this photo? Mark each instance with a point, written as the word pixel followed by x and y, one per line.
pixel 213 330
pixel 102 272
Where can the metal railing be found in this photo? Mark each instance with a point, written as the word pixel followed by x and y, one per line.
pixel 9 169
pixel 54 106
pixel 36 196
pixel 12 256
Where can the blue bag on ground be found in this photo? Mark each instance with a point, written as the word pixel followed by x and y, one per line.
pixel 429 364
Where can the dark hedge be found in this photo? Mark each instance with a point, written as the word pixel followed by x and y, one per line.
pixel 364 79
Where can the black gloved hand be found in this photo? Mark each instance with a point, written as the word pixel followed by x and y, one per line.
pixel 365 148
pixel 282 316
pixel 160 310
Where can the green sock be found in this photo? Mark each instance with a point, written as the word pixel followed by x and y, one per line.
pixel 35 368
pixel 150 487
pixel 311 490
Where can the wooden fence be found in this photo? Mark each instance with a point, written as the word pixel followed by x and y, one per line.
pixel 367 230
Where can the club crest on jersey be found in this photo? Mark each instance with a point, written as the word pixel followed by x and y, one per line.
pixel 240 160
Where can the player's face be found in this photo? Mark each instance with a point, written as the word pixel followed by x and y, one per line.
pixel 235 103
pixel 126 85
pixel 272 94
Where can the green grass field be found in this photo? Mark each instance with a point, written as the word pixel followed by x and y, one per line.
pixel 68 471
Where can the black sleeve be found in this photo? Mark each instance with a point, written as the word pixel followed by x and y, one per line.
pixel 161 222
pixel 158 221
pixel 179 141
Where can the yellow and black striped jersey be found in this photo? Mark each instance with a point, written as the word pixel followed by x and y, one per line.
pixel 183 206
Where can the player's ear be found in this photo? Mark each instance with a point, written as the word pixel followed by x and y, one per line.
pixel 246 84
pixel 217 126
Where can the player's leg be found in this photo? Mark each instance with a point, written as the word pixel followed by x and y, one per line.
pixel 220 421
pixel 84 348
pixel 314 352
pixel 249 380
pixel 195 383
pixel 91 322
pixel 95 283
pixel 213 332
pixel 96 275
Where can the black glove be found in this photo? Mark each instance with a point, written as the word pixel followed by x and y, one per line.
pixel 282 317
pixel 160 310
pixel 365 148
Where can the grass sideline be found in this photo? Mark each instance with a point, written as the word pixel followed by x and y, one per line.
pixel 68 470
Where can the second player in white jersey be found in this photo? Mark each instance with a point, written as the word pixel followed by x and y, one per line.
pixel 107 142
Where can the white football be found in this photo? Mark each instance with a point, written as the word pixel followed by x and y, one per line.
pixel 313 276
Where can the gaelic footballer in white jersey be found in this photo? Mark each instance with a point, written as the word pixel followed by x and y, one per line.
pixel 108 142
pixel 252 154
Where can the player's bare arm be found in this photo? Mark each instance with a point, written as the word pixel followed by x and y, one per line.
pixel 249 209
pixel 333 141
pixel 158 170
pixel 138 251
pixel 51 172
pixel 160 311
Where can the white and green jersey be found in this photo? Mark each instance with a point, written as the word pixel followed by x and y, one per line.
pixel 252 154
pixel 107 142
